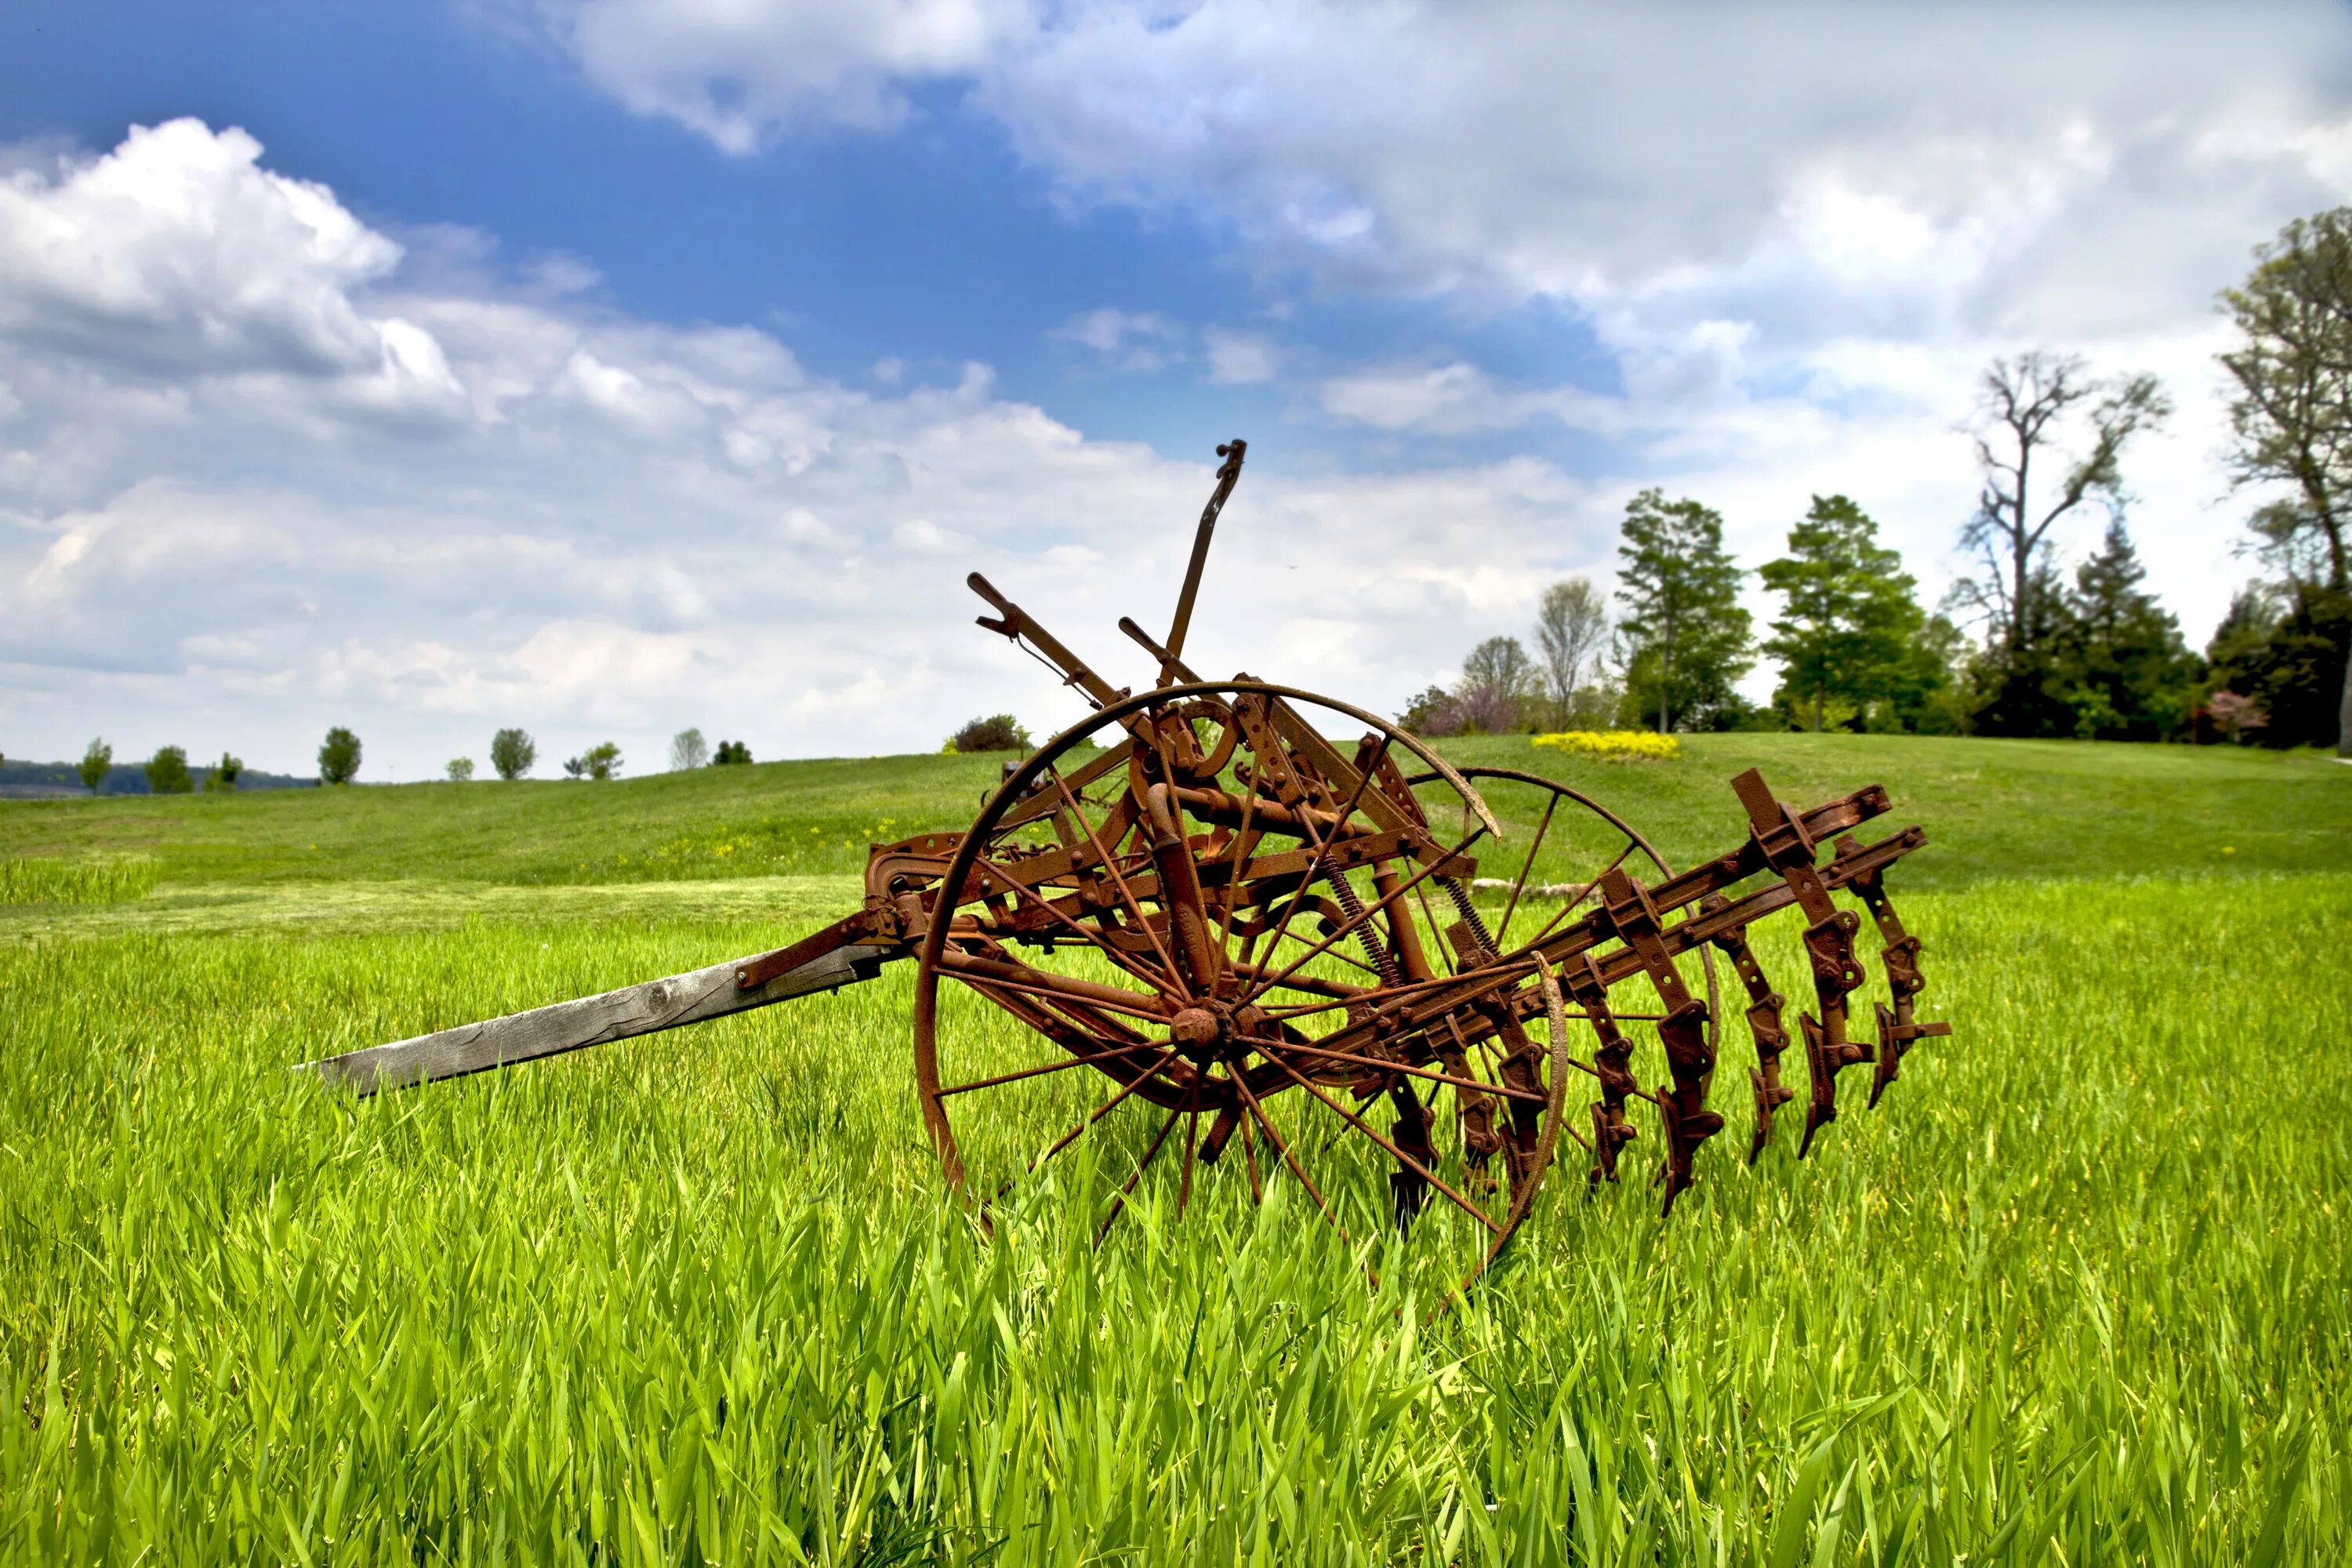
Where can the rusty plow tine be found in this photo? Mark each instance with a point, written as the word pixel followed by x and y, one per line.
pixel 1764 1026
pixel 1898 1025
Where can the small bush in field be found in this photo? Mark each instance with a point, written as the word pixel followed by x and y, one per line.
pixel 997 732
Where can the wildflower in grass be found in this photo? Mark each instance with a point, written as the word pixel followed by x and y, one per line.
pixel 1614 745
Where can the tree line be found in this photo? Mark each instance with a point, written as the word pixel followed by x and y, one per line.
pixel 2019 647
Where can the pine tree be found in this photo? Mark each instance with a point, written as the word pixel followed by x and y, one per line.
pixel 1849 621
pixel 1684 633
pixel 2127 673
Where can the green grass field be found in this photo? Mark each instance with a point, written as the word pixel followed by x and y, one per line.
pixel 2079 1291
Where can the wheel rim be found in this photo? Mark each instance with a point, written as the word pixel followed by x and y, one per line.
pixel 1173 1027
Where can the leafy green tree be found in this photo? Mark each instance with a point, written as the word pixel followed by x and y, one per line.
pixel 222 779
pixel 1926 694
pixel 2280 648
pixel 95 761
pixel 1425 711
pixel 461 770
pixel 1849 619
pixel 2292 418
pixel 735 753
pixel 167 772
pixel 1684 633
pixel 339 757
pixel 601 761
pixel 512 752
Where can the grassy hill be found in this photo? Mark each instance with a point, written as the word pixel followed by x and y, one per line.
pixel 1993 809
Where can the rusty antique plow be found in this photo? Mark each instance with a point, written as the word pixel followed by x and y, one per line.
pixel 1235 927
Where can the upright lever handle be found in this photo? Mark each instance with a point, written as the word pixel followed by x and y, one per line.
pixel 1231 452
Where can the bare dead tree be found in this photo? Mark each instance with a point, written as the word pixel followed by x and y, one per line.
pixel 1571 629
pixel 2027 404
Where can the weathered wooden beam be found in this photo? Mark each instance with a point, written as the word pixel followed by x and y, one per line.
pixel 656 1005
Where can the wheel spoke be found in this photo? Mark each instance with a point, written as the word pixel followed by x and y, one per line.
pixel 1092 938
pixel 1525 866
pixel 1407 1161
pixel 1583 893
pixel 1322 852
pixel 1437 934
pixel 1366 914
pixel 1240 1082
pixel 1118 1203
pixel 1430 1073
pixel 1249 1159
pixel 1125 892
pixel 1105 1108
pixel 1063 1066
pixel 1233 863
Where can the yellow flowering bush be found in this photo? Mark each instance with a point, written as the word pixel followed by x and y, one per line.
pixel 1615 745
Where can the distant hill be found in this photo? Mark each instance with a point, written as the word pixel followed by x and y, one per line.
pixel 1993 810
pixel 45 780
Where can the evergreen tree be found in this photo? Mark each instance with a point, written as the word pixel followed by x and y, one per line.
pixel 1849 620
pixel 1684 635
pixel 2022 688
pixel 2125 672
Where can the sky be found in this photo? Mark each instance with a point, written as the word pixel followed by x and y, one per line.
pixel 606 367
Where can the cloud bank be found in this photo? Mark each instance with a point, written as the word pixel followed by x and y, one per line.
pixel 263 467
pixel 254 482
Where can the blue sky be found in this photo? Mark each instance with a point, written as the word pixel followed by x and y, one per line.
pixel 605 366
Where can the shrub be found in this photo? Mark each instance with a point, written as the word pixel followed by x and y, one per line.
pixel 167 772
pixel 599 761
pixel 222 780
pixel 512 752
pixel 997 732
pixel 1614 745
pixel 339 757
pixel 730 753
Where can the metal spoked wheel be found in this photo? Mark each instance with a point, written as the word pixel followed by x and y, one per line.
pixel 1200 951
